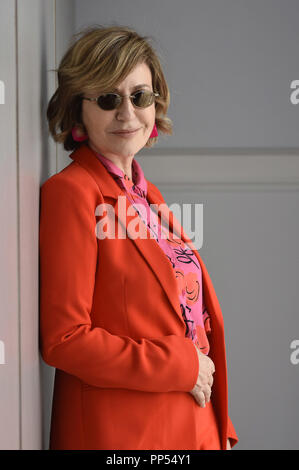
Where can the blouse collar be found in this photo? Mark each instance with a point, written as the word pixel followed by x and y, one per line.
pixel 139 183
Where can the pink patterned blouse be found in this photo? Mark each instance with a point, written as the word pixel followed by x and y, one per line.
pixel 184 262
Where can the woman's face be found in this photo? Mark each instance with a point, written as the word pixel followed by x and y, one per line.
pixel 101 124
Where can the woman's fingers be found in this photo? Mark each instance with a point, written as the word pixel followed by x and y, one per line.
pixel 202 389
pixel 202 396
pixel 207 393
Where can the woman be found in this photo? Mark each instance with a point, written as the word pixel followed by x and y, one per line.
pixel 123 318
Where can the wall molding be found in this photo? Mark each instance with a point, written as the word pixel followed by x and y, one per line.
pixel 223 172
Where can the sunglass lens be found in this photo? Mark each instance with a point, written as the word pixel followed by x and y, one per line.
pixel 142 99
pixel 108 101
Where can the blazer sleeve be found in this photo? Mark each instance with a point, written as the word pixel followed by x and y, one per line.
pixel 68 257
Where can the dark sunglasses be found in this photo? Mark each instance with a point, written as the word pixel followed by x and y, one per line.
pixel 109 101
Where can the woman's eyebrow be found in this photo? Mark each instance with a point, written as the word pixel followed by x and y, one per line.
pixel 134 87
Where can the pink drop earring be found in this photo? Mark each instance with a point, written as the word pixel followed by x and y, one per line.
pixel 76 137
pixel 154 132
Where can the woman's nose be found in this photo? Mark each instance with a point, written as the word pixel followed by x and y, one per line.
pixel 126 108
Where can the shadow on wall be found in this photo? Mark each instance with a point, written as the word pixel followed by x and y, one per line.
pixel 47 375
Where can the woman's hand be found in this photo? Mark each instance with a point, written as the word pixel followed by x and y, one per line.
pixel 202 389
pixel 228 446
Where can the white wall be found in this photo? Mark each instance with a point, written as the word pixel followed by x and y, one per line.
pixel 9 262
pixel 27 156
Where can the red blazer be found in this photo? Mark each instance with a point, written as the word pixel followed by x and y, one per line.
pixel 111 325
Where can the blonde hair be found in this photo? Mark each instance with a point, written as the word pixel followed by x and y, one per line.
pixel 101 58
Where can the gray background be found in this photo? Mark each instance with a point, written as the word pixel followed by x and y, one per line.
pixel 235 149
pixel 229 64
